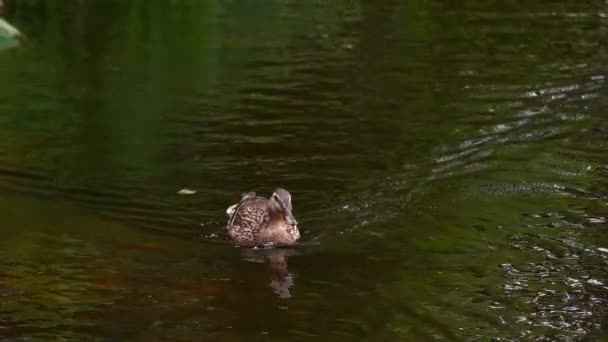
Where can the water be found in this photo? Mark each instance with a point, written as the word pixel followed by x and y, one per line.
pixel 447 163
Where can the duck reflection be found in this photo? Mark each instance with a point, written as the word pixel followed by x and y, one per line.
pixel 280 277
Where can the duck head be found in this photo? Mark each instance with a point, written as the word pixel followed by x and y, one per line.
pixel 279 206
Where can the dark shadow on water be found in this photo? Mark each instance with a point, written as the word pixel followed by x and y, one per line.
pixel 280 277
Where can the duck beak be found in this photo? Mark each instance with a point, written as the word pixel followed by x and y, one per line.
pixel 289 219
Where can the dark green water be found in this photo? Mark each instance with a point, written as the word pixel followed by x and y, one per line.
pixel 447 160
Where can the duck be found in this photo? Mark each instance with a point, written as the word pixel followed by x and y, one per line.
pixel 256 221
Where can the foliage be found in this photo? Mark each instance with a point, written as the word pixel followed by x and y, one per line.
pixel 8 35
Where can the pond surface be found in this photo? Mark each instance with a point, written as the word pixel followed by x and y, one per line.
pixel 447 160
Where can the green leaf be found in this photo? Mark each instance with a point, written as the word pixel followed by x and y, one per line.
pixel 8 35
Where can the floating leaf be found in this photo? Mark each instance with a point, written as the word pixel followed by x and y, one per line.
pixel 8 35
pixel 186 192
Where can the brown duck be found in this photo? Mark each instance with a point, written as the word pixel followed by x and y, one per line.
pixel 258 221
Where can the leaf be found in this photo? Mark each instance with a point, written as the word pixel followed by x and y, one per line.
pixel 8 35
pixel 186 192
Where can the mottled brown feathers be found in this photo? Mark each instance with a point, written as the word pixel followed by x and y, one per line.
pixel 258 221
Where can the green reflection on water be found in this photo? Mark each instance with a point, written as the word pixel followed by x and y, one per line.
pixel 426 144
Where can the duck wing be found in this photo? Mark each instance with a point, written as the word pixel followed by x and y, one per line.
pixel 251 211
pixel 245 196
